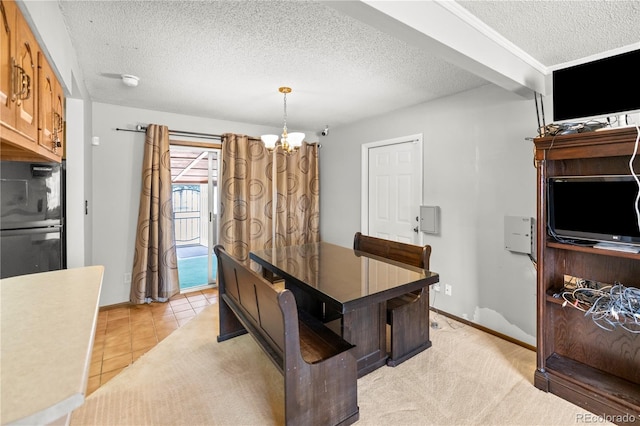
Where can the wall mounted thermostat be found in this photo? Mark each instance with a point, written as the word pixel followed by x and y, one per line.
pixel 518 234
pixel 430 219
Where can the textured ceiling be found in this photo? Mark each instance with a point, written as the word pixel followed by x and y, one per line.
pixel 226 59
pixel 560 31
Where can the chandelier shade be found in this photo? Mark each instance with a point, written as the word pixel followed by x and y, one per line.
pixel 270 141
pixel 295 139
pixel 289 142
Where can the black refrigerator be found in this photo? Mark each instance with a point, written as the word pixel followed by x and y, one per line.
pixel 32 232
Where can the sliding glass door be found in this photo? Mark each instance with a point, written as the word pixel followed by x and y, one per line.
pixel 214 164
pixel 194 173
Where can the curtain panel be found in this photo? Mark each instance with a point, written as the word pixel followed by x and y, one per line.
pixel 245 196
pixel 298 197
pixel 247 193
pixel 155 271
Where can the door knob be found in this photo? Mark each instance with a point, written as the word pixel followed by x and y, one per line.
pixel 415 229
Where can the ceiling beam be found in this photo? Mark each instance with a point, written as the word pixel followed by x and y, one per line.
pixel 447 30
pixel 190 166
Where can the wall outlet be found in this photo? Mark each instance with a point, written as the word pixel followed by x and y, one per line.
pixel 127 278
pixel 447 289
pixel 436 287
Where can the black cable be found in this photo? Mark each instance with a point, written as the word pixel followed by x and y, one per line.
pixel 578 243
pixel 540 128
pixel 544 124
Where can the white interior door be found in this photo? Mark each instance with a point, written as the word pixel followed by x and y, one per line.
pixel 392 189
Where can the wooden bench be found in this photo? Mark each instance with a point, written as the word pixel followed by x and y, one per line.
pixel 408 315
pixel 319 368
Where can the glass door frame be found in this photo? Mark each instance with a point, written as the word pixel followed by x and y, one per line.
pixel 213 151
pixel 213 228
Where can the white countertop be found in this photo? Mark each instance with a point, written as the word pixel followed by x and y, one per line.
pixel 48 321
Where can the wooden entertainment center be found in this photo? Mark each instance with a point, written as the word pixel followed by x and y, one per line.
pixel 577 360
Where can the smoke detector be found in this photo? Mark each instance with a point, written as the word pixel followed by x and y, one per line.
pixel 130 80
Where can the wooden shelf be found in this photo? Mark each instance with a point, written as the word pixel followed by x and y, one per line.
pixel 593 380
pixel 577 360
pixel 552 299
pixel 593 250
pixel 605 143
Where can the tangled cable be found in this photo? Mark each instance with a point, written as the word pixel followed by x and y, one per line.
pixel 609 306
pixel 620 306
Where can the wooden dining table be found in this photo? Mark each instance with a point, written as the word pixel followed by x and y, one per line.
pixel 346 289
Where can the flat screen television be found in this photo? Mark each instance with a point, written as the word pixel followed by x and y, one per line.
pixel 597 89
pixel 594 208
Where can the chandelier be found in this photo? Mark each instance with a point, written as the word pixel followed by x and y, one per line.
pixel 289 142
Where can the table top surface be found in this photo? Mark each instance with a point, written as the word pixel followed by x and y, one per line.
pixel 345 275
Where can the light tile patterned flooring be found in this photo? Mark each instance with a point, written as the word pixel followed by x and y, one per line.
pixel 125 333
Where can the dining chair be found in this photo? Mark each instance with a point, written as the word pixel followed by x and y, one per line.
pixel 408 315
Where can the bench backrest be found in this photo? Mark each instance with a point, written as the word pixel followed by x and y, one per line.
pixel 400 252
pixel 257 297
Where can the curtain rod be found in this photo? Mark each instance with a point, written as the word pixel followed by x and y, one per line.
pixel 142 129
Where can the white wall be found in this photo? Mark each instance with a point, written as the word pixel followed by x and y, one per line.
pixel 75 187
pixel 88 182
pixel 478 167
pixel 115 173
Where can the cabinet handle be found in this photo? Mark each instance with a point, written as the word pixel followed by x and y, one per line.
pixel 22 89
pixel 58 121
pixel 57 128
pixel 21 84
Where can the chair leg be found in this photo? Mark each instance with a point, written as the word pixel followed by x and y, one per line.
pixel 409 329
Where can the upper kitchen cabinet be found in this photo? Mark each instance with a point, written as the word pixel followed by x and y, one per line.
pixel 25 76
pixel 31 124
pixel 51 111
pixel 7 49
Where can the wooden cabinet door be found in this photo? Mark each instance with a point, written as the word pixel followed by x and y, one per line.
pixel 46 95
pixel 50 108
pixel 7 48
pixel 26 104
pixel 59 118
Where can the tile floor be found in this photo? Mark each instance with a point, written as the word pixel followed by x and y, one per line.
pixel 125 333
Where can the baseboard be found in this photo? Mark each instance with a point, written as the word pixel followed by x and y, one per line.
pixel 116 306
pixel 485 329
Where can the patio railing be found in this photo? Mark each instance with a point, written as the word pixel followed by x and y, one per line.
pixel 186 214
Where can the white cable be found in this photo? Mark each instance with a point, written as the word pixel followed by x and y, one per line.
pixel 635 150
pixel 434 321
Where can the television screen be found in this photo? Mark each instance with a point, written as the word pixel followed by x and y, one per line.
pixel 597 89
pixel 594 208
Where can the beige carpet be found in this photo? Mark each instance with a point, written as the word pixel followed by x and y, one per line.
pixel 467 378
